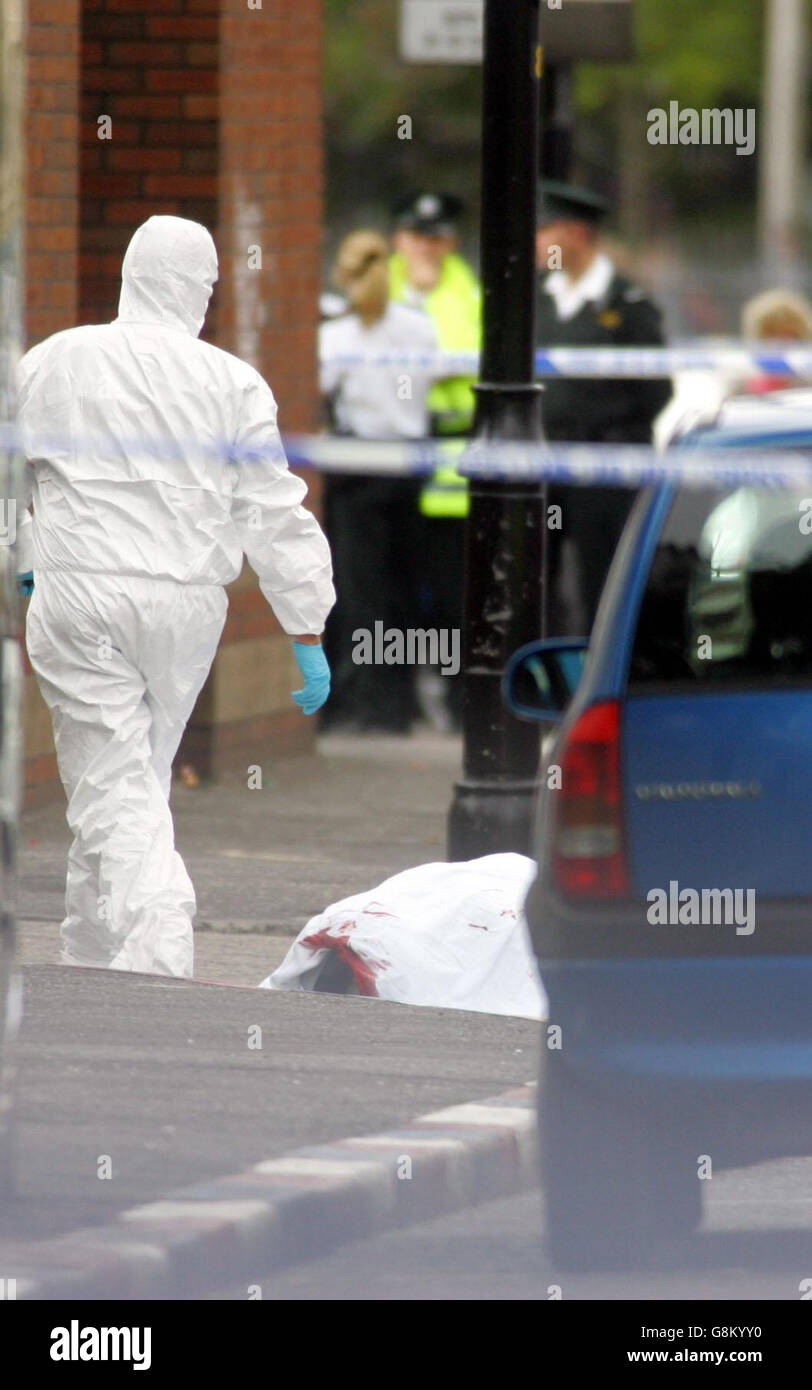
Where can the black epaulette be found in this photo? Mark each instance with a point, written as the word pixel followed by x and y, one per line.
pixel 624 291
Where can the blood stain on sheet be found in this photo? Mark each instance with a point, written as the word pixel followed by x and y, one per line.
pixel 337 939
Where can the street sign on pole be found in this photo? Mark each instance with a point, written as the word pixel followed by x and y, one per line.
pixel 442 31
pixel 571 31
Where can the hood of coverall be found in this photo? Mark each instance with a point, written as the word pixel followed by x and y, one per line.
pixel 169 271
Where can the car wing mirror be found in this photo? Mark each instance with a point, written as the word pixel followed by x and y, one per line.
pixel 541 678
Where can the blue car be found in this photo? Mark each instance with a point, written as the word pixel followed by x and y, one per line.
pixel 672 912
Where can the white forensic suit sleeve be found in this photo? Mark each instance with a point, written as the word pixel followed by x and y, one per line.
pixel 282 540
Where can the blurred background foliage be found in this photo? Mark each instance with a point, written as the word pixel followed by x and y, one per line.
pixel 673 202
pixel 367 89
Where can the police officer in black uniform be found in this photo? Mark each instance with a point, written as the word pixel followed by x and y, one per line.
pixel 583 301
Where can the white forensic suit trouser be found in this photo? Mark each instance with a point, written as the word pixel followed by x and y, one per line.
pixel 120 662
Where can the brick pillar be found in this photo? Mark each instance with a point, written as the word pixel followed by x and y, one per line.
pixel 52 158
pixel 51 235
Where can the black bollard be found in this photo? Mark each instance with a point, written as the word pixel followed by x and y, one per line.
pixel 494 802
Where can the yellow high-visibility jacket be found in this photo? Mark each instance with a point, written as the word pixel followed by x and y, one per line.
pixel 455 306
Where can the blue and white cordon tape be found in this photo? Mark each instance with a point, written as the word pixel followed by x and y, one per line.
pixel 630 465
pixel 716 355
pixel 615 465
pixel 618 465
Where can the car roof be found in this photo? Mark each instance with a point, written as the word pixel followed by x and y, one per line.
pixel 780 419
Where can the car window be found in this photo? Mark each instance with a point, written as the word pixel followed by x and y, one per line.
pixel 729 594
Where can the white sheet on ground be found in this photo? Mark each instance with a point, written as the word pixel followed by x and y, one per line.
pixel 448 935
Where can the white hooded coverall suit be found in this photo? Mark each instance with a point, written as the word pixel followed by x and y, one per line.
pixel 154 463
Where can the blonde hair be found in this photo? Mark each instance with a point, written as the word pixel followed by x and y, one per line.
pixel 362 273
pixel 777 314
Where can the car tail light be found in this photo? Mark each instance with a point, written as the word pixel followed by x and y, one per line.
pixel 588 854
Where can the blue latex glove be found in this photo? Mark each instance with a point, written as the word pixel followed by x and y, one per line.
pixel 313 665
pixel 25 583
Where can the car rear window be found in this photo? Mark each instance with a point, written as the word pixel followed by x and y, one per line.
pixel 729 595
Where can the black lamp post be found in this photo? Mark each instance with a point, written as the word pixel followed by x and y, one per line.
pixel 493 803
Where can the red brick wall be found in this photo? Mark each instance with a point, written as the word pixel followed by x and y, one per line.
pixel 216 115
pixel 51 216
pixel 52 159
pixel 152 67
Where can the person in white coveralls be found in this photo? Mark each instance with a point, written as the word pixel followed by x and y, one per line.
pixel 153 464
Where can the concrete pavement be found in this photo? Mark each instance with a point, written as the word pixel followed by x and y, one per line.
pixel 221 957
pixel 155 1080
pixel 265 860
pixel 288 1209
pixel 132 1087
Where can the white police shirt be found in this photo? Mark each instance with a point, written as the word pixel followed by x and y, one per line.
pixel 373 402
pixel 570 296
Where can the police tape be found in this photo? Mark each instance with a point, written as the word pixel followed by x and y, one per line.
pixel 728 356
pixel 603 465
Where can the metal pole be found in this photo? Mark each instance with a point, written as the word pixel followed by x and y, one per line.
pixel 493 805
pixel 557 120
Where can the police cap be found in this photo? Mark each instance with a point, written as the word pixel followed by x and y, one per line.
pixel 564 202
pixel 433 214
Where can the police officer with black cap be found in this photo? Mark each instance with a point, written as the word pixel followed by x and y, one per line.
pixel 583 301
pixel 427 272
